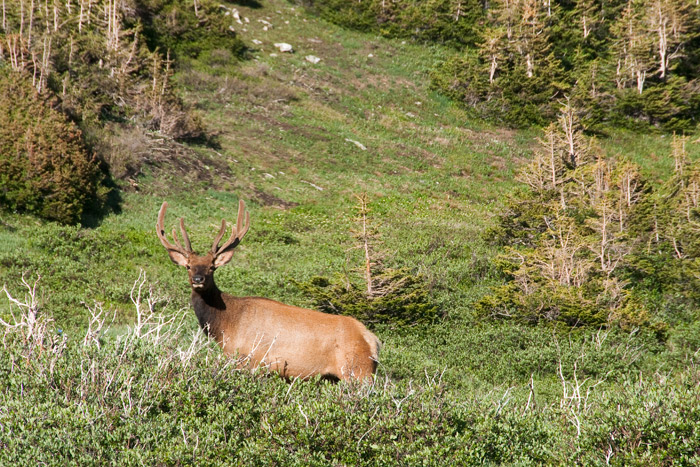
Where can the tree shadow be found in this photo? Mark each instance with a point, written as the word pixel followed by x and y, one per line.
pixel 248 3
pixel 93 216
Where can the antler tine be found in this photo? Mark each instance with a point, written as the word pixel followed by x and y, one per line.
pixel 185 237
pixel 238 232
pixel 222 231
pixel 160 231
pixel 241 211
pixel 246 226
pixel 177 240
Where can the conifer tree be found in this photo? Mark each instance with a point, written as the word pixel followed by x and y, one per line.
pixel 632 47
pixel 577 215
pixel 672 23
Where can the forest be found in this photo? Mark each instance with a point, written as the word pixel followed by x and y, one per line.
pixel 507 193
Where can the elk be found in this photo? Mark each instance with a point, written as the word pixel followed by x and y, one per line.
pixel 295 342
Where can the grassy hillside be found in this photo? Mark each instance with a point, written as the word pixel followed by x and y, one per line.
pixel 297 140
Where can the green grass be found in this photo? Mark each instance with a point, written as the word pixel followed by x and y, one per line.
pixel 434 177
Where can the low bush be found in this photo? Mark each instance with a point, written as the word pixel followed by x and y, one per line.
pixel 402 300
pixel 176 26
pixel 451 22
pixel 45 168
pixel 159 393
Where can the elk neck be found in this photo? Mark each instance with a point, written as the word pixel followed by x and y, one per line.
pixel 209 306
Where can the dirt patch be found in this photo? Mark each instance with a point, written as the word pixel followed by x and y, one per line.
pixel 131 152
pixel 267 199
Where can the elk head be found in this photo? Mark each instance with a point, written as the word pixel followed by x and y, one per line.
pixel 200 269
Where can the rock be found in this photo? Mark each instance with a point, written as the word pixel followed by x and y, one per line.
pixel 312 59
pixel 284 47
pixel 356 143
pixel 256 42
pixel 313 185
pixel 236 16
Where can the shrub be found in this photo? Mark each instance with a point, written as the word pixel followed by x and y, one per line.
pixel 530 54
pixel 153 394
pixel 387 296
pixel 44 167
pixel 103 71
pixel 451 22
pixel 172 25
pixel 402 301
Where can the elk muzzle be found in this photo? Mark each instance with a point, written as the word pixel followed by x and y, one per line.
pixel 198 281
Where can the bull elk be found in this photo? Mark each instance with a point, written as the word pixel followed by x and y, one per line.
pixel 295 342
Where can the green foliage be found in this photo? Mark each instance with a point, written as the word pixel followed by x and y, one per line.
pixel 44 166
pixel 665 260
pixel 451 22
pixel 102 71
pixel 402 301
pixel 356 15
pixel 606 57
pixel 589 243
pixel 394 297
pixel 150 395
pixel 173 25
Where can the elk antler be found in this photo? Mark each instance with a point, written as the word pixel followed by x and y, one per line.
pixel 161 234
pixel 237 234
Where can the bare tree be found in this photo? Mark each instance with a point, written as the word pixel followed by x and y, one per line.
pixel 671 21
pixel 366 235
pixel 632 46
pixel 546 170
pixel 574 143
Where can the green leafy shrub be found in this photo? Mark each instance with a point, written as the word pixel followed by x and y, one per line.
pixel 104 71
pixel 515 76
pixel 388 296
pixel 664 262
pixel 175 26
pixel 451 22
pixel 44 166
pixel 529 54
pixel 402 300
pixel 362 16
pixel 150 395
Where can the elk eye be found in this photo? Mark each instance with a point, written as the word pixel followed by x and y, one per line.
pixel 188 267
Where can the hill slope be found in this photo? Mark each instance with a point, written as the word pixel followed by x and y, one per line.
pixel 297 140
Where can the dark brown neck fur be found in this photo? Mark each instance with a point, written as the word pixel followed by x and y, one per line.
pixel 209 307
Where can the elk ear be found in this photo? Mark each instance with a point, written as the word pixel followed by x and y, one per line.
pixel 177 258
pixel 223 258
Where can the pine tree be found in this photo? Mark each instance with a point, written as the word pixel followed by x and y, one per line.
pixel 632 47
pixel 577 217
pixel 673 23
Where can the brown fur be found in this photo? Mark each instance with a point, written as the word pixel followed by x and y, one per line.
pixel 295 342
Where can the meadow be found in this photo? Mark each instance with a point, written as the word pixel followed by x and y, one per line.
pixel 102 360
